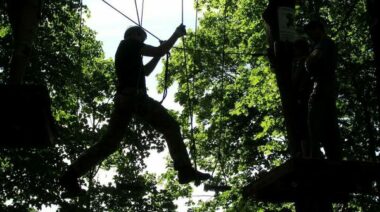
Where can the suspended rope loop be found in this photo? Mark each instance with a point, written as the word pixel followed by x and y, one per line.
pixel 131 20
pixel 166 78
pixel 137 13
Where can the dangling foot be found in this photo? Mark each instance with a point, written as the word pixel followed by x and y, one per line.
pixel 189 174
pixel 71 186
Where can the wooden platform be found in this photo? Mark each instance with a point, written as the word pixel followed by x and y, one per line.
pixel 25 117
pixel 298 178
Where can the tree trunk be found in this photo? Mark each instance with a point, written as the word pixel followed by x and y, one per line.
pixel 24 16
pixel 373 8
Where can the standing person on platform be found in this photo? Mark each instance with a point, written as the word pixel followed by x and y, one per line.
pixel 301 89
pixel 322 112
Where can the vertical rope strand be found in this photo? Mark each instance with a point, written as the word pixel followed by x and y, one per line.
pixel 142 12
pixel 80 34
pixel 194 149
pixel 137 13
pixel 182 11
pixel 222 144
pixel 190 102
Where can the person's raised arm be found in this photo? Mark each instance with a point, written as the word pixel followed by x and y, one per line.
pixel 164 48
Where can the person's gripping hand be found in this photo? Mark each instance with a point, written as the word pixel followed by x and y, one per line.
pixel 180 30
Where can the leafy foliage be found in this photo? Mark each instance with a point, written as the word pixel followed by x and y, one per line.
pixel 234 98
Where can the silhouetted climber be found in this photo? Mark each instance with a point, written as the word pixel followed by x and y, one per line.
pixel 301 88
pixel 322 114
pixel 132 99
pixel 24 16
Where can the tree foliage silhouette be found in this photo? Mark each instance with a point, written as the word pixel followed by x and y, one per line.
pixel 239 128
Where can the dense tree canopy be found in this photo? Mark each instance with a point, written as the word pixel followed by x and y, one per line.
pixel 225 83
pixel 234 96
